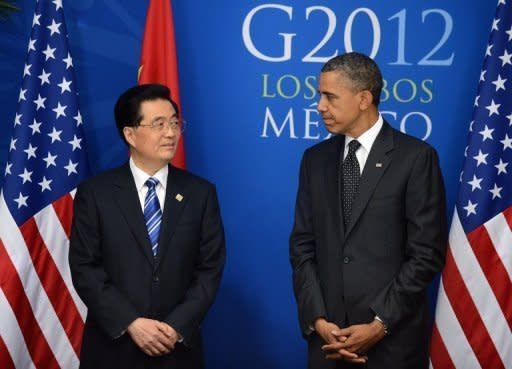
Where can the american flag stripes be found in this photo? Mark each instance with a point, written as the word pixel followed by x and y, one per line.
pixel 41 316
pixel 473 324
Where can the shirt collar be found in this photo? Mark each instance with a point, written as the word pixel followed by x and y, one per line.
pixel 141 177
pixel 368 138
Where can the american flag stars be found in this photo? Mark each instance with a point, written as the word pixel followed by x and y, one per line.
pixel 50 160
pixel 52 146
pixel 35 127
pixel 44 77
pixel 486 174
pixel 55 135
pixel 60 110
pixel 49 53
pixel 40 102
pixel 58 4
pixel 22 95
pixel 54 27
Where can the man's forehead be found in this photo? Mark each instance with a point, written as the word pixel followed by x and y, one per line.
pixel 334 76
pixel 158 106
pixel 333 80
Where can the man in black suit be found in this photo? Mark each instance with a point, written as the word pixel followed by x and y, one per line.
pixel 147 246
pixel 370 230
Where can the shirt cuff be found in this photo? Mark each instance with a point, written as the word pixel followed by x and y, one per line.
pixel 120 334
pixel 383 324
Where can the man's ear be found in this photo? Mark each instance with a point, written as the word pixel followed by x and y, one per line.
pixel 129 135
pixel 366 100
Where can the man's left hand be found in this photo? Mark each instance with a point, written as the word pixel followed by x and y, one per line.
pixel 170 332
pixel 359 338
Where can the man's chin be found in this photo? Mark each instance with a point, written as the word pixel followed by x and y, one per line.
pixel 331 128
pixel 168 151
pixel 167 156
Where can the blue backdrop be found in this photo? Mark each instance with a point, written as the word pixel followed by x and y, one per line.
pixel 248 74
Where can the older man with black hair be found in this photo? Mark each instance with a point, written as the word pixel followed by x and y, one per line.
pixel 147 246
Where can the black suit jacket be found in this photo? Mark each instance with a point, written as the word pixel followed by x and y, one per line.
pixel 116 276
pixel 382 263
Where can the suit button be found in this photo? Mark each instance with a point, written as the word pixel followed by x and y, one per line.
pixel 156 279
pixel 346 260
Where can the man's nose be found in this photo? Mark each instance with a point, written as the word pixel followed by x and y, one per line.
pixel 321 107
pixel 171 131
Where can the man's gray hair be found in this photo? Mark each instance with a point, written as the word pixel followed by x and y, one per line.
pixel 361 70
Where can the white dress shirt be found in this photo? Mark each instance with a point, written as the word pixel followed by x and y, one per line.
pixel 141 177
pixel 366 140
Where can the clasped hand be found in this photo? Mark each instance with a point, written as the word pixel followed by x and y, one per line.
pixel 350 343
pixel 153 337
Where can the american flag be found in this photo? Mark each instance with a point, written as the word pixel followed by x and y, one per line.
pixel 473 323
pixel 41 316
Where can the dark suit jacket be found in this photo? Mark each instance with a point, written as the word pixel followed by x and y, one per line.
pixel 385 259
pixel 116 276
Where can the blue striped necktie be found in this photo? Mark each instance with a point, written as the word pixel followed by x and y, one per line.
pixel 152 214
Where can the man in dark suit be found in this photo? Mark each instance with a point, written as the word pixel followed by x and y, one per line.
pixel 370 230
pixel 147 246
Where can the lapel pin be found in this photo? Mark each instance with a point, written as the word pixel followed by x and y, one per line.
pixel 179 197
pixel 378 165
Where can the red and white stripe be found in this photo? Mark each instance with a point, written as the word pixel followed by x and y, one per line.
pixel 473 325
pixel 42 317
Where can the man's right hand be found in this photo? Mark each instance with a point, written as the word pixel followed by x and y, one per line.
pixel 151 336
pixel 326 331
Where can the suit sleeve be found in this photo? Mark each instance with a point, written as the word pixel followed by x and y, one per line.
pixel 187 316
pixel 425 212
pixel 306 284
pixel 104 302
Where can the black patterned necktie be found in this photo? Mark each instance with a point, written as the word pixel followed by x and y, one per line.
pixel 351 176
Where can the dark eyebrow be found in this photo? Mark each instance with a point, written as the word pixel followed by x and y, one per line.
pixel 326 93
pixel 158 118
pixel 161 117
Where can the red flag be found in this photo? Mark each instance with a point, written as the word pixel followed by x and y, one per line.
pixel 158 63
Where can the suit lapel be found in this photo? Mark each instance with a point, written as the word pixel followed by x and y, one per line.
pixel 376 164
pixel 176 197
pixel 333 183
pixel 127 200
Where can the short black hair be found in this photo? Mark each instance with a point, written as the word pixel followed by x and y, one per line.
pixel 127 109
pixel 361 70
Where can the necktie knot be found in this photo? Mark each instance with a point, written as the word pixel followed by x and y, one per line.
pixel 353 146
pixel 151 183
